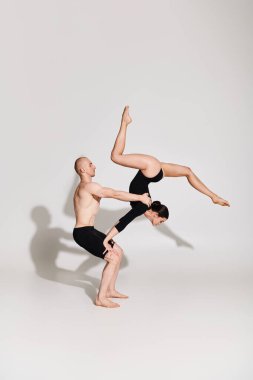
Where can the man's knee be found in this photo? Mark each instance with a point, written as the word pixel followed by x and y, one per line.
pixel 118 250
pixel 112 257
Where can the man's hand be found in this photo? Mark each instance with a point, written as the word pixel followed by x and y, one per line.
pixel 146 199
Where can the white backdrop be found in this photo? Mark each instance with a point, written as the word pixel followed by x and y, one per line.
pixel 67 70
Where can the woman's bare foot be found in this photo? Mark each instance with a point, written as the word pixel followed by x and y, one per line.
pixel 218 200
pixel 115 294
pixel 105 302
pixel 126 118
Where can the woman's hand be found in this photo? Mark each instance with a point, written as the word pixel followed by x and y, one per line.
pixel 146 199
pixel 107 245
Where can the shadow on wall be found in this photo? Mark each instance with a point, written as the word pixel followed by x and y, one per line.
pixel 45 247
pixel 107 218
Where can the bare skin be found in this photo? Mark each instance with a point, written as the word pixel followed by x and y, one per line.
pixel 87 198
pixel 150 166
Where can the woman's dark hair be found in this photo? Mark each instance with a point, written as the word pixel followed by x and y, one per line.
pixel 161 209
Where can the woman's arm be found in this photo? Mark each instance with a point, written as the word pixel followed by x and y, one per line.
pixel 113 232
pixel 124 221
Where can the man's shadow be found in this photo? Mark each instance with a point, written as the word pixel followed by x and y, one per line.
pixel 45 246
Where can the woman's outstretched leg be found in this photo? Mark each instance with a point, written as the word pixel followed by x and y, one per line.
pixel 174 170
pixel 120 142
pixel 148 164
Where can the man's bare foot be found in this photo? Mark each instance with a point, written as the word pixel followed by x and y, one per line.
pixel 105 302
pixel 126 118
pixel 218 200
pixel 115 294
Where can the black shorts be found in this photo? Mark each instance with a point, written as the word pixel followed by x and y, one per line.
pixel 92 240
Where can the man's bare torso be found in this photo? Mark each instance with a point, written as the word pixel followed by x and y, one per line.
pixel 86 206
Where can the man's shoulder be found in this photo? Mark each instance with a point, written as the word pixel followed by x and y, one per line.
pixel 91 186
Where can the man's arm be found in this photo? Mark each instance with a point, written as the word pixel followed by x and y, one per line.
pixel 107 192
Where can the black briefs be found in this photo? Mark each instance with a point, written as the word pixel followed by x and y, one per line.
pixel 92 240
pixel 139 185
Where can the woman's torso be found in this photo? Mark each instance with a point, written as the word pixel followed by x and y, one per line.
pixel 139 184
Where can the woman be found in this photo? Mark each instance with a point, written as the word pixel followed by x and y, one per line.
pixel 150 170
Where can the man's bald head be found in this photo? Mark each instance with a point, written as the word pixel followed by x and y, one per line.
pixel 84 165
pixel 79 163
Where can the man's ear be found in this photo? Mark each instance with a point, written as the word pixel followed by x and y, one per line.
pixel 82 170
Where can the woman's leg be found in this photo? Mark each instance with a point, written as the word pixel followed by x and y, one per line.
pixel 149 165
pixel 174 170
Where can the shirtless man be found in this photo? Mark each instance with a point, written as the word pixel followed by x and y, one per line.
pixel 86 205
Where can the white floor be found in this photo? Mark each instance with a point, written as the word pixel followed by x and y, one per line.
pixel 188 316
